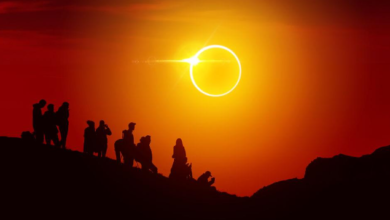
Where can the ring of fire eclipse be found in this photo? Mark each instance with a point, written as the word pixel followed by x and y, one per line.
pixel 196 60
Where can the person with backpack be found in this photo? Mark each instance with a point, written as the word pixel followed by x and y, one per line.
pixel 126 146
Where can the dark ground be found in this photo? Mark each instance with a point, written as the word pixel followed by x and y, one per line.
pixel 39 181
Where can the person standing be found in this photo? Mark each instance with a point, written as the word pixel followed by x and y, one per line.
pixel 144 154
pixel 62 116
pixel 38 123
pixel 51 131
pixel 101 135
pixel 128 149
pixel 89 138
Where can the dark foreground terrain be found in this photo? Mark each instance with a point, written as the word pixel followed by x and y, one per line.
pixel 39 181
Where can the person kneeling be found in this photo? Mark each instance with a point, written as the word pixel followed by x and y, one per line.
pixel 204 179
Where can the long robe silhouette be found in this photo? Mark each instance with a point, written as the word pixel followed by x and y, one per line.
pixel 50 127
pixel 180 170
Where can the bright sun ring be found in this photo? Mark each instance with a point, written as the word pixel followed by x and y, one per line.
pixel 194 60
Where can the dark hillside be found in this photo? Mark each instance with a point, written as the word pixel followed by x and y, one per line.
pixel 47 182
pixel 341 187
pixel 38 180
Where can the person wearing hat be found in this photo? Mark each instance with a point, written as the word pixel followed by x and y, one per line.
pixel 204 179
pixel 89 138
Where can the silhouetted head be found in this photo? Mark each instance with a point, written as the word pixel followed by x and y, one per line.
pixel 142 140
pixel 101 123
pixel 131 126
pixel 42 103
pixel 91 124
pixel 50 107
pixel 148 139
pixel 65 105
pixel 179 142
pixel 208 173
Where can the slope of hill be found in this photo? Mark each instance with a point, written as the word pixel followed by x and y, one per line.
pixel 46 182
pixel 39 180
pixel 341 187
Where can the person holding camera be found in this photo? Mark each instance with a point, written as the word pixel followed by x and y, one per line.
pixel 101 135
pixel 204 179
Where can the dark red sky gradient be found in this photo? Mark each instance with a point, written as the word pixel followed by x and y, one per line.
pixel 315 78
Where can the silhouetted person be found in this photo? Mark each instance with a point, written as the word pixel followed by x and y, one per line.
pixel 144 154
pixel 62 116
pixel 50 127
pixel 101 137
pixel 38 122
pixel 180 170
pixel 204 179
pixel 126 146
pixel 179 152
pixel 27 137
pixel 89 138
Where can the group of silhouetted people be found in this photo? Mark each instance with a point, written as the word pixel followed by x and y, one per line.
pixel 182 170
pixel 45 125
pixel 95 141
pixel 126 150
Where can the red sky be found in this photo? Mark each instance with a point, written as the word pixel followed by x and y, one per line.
pixel 315 78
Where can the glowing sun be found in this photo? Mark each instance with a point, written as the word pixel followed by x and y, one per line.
pixel 195 60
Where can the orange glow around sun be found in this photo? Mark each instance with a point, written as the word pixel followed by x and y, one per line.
pixel 300 80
